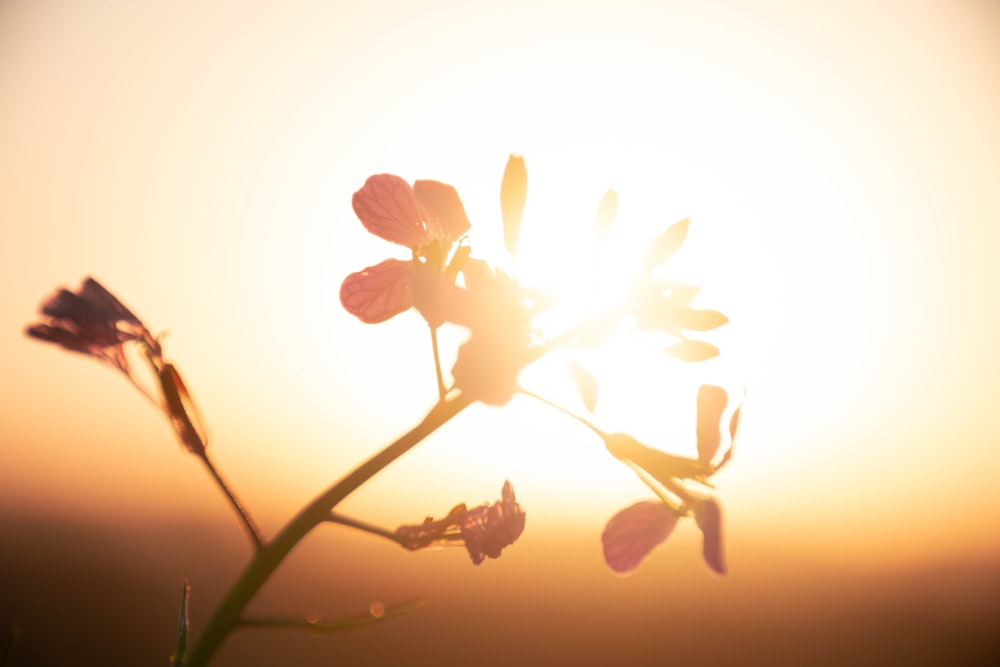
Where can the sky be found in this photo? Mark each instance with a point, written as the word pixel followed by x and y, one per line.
pixel 839 164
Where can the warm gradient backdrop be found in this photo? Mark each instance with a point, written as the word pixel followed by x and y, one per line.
pixel 839 162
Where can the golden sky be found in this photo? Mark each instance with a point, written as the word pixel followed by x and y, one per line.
pixel 839 163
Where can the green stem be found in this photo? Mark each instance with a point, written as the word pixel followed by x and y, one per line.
pixel 227 615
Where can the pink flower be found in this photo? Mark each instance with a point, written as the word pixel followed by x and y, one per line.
pixel 427 218
pixel 485 530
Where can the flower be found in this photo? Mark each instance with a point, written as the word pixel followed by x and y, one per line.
pixel 91 321
pixel 489 363
pixel 485 530
pixel 428 218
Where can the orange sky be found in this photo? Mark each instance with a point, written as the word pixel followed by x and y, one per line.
pixel 840 165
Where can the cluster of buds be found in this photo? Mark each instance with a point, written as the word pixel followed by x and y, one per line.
pixel 484 530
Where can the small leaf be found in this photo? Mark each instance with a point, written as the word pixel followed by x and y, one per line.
pixel 607 211
pixel 692 350
pixel 585 383
pixel 183 627
pixel 663 247
pixel 513 195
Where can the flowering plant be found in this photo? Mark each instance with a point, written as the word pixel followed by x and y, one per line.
pixel 445 283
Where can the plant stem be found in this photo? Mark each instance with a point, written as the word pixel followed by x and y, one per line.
pixel 249 527
pixel 366 527
pixel 227 615
pixel 437 363
pixel 593 427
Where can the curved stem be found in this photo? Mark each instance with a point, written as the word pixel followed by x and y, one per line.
pixel 227 615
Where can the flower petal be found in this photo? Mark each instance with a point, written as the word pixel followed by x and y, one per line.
pixel 711 402
pixel 387 208
pixel 634 532
pixel 441 209
pixel 708 515
pixel 380 291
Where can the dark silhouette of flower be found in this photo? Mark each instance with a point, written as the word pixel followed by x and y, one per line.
pixel 484 530
pixel 428 218
pixel 91 321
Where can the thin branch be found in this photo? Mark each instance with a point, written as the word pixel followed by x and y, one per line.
pixel 228 614
pixel 437 363
pixel 246 521
pixel 366 527
pixel 569 413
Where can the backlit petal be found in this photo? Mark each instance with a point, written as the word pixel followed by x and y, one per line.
pixel 387 208
pixel 708 515
pixel 711 402
pixel 441 209
pixel 634 532
pixel 380 291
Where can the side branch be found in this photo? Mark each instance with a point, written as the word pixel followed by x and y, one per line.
pixel 227 615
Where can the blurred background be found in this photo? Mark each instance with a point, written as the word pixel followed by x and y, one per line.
pixel 839 163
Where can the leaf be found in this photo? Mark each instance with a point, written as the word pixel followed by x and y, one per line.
pixel 586 385
pixel 183 627
pixel 692 350
pixel 513 195
pixel 607 212
pixel 663 247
